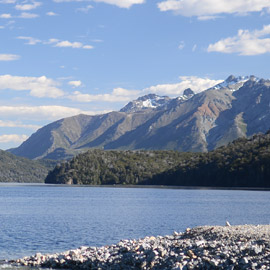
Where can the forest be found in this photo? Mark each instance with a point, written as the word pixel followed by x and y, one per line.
pixel 23 170
pixel 244 162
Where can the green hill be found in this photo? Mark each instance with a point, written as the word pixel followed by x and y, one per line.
pixel 98 167
pixel 243 163
pixel 18 169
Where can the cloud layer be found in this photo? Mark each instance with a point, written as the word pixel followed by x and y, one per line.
pixel 28 6
pixel 38 86
pixel 75 83
pixel 14 138
pixel 17 124
pixel 123 95
pixel 117 95
pixel 201 8
pixel 195 83
pixel 9 57
pixel 74 45
pixel 119 3
pixel 244 43
pixel 42 113
pixel 122 3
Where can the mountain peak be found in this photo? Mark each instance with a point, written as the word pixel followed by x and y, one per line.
pixel 188 92
pixel 234 83
pixel 149 96
pixel 150 101
pixel 231 78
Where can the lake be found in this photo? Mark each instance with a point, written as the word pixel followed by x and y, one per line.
pixel 47 219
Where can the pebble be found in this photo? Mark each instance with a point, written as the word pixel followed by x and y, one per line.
pixel 207 247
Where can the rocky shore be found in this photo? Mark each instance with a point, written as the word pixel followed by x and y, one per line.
pixel 208 247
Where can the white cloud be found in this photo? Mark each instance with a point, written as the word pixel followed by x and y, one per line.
pixel 51 13
pixel 173 90
pixel 87 47
pixel 16 124
pixel 122 3
pixel 5 16
pixel 31 40
pixel 181 45
pixel 56 43
pixel 177 89
pixel 75 83
pixel 38 86
pixel 9 57
pixel 27 15
pixel 8 1
pixel 203 8
pixel 207 18
pixel 244 43
pixel 67 1
pixel 85 9
pixel 15 138
pixel 24 7
pixel 42 113
pixel 119 3
pixel 68 44
pixel 52 40
pixel 194 47
pixel 118 95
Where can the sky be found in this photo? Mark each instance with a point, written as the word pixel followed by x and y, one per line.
pixel 60 58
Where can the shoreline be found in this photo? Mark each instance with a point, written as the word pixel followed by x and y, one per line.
pixel 206 247
pixel 138 186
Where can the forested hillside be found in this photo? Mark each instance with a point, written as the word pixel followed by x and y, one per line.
pixel 18 169
pixel 98 167
pixel 243 163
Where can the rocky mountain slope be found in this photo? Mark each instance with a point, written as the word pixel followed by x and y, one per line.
pixel 193 122
pixel 19 169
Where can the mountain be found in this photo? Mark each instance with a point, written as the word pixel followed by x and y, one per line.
pixel 19 169
pixel 238 107
pixel 150 101
pixel 234 83
pixel 243 163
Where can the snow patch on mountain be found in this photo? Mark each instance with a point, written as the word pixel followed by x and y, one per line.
pixel 235 83
pixel 153 101
pixel 150 101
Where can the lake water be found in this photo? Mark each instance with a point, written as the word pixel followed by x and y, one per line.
pixel 41 218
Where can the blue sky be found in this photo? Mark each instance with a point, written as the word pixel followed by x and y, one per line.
pixel 59 58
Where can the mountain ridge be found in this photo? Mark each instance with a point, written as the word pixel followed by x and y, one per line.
pixel 238 107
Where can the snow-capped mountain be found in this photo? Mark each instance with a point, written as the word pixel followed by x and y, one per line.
pixel 238 107
pixel 150 101
pixel 235 83
pixel 153 101
pixel 187 94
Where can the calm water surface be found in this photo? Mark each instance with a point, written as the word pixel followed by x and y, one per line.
pixel 40 218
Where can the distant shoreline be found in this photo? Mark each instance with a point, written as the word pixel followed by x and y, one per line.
pixel 139 186
pixel 171 187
